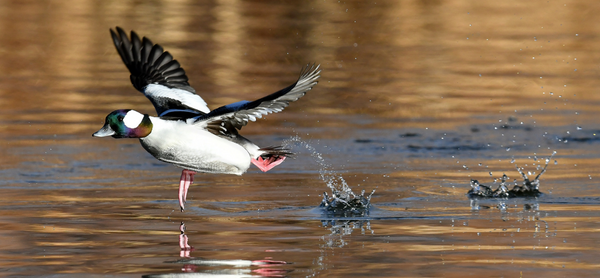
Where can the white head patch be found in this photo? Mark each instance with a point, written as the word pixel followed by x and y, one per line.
pixel 133 119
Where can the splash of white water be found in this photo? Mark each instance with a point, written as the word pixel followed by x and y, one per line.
pixel 333 180
pixel 343 201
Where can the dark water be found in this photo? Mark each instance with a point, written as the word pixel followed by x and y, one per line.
pixel 416 99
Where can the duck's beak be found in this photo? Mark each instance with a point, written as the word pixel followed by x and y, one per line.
pixel 104 131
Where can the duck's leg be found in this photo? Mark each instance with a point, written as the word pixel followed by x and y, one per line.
pixel 187 177
pixel 187 187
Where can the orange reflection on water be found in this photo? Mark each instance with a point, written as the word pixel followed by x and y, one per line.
pixel 70 203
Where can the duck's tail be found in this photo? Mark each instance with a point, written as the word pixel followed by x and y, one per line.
pixel 270 157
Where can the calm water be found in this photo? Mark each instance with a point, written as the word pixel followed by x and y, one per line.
pixel 416 99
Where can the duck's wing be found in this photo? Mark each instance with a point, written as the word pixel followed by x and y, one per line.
pixel 155 73
pixel 223 120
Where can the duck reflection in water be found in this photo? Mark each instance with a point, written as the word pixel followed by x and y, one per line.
pixel 192 267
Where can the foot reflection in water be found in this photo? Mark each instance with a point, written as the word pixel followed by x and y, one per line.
pixel 231 268
pixel 183 243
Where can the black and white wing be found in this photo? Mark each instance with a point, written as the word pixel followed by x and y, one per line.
pixel 155 73
pixel 224 119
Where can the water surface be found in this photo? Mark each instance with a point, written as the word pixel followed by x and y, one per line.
pixel 416 98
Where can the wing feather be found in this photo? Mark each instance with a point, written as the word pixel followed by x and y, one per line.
pixel 155 73
pixel 237 115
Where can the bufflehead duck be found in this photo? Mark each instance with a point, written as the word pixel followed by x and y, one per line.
pixel 186 133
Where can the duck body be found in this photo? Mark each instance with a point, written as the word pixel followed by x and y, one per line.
pixel 193 148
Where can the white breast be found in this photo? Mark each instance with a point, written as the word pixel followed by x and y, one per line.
pixel 193 148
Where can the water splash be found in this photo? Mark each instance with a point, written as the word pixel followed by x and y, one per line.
pixel 528 188
pixel 331 179
pixel 343 201
pixel 347 203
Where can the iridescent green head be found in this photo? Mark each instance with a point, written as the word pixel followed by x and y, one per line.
pixel 125 124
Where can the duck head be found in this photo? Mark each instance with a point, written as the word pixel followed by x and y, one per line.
pixel 125 123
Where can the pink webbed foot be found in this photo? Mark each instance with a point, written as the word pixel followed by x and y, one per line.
pixel 267 164
pixel 187 177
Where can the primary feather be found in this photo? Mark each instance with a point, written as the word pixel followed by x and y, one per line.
pixel 157 75
pixel 238 114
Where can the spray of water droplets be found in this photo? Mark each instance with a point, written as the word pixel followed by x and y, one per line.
pixel 343 201
pixel 331 179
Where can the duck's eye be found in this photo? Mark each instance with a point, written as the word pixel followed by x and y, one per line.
pixel 120 118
